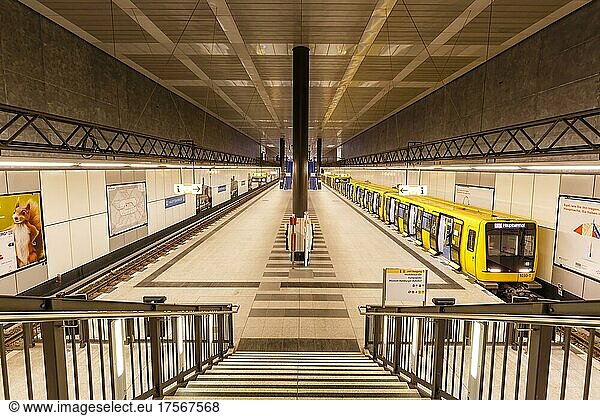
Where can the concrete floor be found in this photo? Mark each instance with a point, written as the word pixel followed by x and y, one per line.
pixel 244 263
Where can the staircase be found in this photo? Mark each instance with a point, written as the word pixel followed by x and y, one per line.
pixel 295 375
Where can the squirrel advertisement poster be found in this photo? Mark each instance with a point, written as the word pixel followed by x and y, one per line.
pixel 21 228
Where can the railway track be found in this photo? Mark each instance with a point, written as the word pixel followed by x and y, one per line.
pixel 13 334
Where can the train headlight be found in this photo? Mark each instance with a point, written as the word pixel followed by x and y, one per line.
pixel 494 270
pixel 525 270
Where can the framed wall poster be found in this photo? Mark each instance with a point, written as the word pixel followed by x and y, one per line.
pixel 477 196
pixel 577 244
pixel 127 207
pixel 21 232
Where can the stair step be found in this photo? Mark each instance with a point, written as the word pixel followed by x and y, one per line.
pixel 235 364
pixel 299 354
pixel 299 392
pixel 303 370
pixel 311 359
pixel 303 377
pixel 291 383
pixel 295 375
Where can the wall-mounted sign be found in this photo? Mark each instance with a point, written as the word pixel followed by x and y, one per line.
pixel 180 189
pixel 126 207
pixel 477 196
pixel 404 287
pixel 173 201
pixel 406 190
pixel 222 188
pixel 578 236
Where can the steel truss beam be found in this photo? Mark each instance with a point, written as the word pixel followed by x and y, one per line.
pixel 566 134
pixel 25 130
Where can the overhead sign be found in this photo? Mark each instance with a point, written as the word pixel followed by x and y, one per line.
pixel 406 190
pixel 404 287
pixel 180 189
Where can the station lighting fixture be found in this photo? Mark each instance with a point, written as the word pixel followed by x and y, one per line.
pixel 26 164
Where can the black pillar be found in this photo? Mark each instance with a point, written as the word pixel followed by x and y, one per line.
pixel 300 130
pixel 319 154
pixel 282 156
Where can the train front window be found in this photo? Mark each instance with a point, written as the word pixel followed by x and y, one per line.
pixel 510 247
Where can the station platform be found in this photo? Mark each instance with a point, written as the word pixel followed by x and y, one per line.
pixel 291 309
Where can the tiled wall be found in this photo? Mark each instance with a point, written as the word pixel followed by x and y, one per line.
pixel 74 207
pixel 530 195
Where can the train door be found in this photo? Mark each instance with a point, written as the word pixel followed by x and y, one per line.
pixel 375 205
pixel 419 226
pixel 444 236
pixel 455 244
pixel 391 210
pixel 402 212
pixel 433 234
pixel 469 260
pixel 412 218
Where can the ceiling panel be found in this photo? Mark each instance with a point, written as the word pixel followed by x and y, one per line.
pixel 234 57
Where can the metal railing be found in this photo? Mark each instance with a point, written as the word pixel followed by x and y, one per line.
pixel 574 133
pixel 27 130
pixel 541 350
pixel 78 349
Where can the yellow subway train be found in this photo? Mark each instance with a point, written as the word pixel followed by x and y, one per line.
pixel 490 246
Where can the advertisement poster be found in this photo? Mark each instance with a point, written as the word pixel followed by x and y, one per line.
pixel 126 207
pixel 477 196
pixel 204 200
pixel 234 187
pixel 21 228
pixel 578 236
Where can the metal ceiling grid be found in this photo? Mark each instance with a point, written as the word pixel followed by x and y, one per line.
pixel 369 58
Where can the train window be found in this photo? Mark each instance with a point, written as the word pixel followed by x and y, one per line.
pixel 426 224
pixel 510 247
pixel 471 240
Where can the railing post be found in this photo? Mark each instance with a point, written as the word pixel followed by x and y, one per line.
pixel 438 357
pixel 55 360
pixel 478 349
pixel 116 355
pixel 367 329
pixel 198 340
pixel 376 334
pixel 155 347
pixel 397 341
pixel 539 362
pixel 221 333
pixel 230 320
